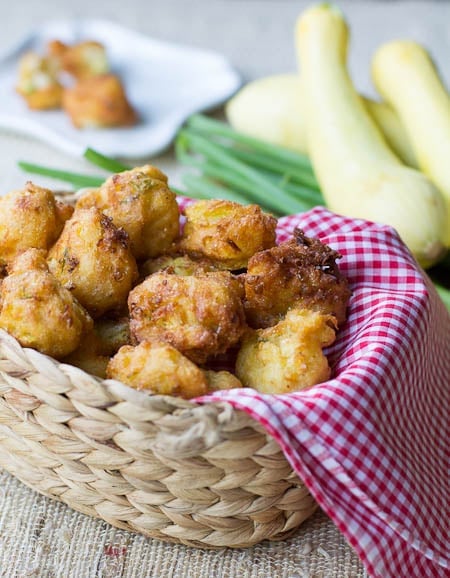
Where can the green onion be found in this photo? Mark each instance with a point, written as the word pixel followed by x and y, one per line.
pixel 104 162
pixel 309 196
pixel 297 174
pixel 215 127
pixel 255 152
pixel 76 179
pixel 276 178
pixel 247 179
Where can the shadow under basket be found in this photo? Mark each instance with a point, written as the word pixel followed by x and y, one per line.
pixel 207 476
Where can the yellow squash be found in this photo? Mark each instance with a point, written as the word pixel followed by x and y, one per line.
pixel 406 77
pixel 359 174
pixel 272 109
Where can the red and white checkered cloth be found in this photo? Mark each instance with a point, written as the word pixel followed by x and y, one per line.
pixel 372 443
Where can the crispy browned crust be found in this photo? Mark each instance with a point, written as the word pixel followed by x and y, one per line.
pixel 201 315
pixel 288 356
pixel 140 202
pixel 301 272
pixel 30 218
pixel 98 101
pixel 227 233
pixel 38 311
pixel 92 258
pixel 270 316
pixel 158 367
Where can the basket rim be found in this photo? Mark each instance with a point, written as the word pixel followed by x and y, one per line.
pixel 118 390
pixel 64 387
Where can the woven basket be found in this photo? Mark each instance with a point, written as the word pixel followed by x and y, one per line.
pixel 203 475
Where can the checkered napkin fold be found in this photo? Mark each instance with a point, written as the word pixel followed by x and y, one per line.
pixel 372 443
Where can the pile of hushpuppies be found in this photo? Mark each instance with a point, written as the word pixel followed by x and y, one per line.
pixel 78 79
pixel 125 285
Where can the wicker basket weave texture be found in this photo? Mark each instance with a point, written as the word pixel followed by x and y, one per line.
pixel 203 475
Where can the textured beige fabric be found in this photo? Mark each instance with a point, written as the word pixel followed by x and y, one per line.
pixel 42 538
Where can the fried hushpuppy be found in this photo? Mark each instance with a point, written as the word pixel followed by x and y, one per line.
pixel 38 83
pixel 227 233
pixel 38 311
pixel 140 202
pixel 158 368
pixel 30 218
pixel 92 258
pixel 301 272
pixel 220 380
pixel 176 264
pixel 55 53
pixel 98 102
pixel 82 60
pixel 201 315
pixel 288 356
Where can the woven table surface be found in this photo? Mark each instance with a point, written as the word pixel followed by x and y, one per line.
pixel 43 538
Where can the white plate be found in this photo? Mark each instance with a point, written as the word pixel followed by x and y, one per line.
pixel 164 82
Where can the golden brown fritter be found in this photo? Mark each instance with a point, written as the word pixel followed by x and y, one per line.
pixel 177 265
pixel 38 311
pixel 227 233
pixel 92 258
pixel 140 202
pixel 82 60
pixel 38 83
pixel 55 52
pixel 158 368
pixel 220 380
pixel 301 272
pixel 201 315
pixel 30 218
pixel 98 102
pixel 287 357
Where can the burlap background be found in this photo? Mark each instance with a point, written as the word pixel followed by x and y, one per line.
pixel 42 538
